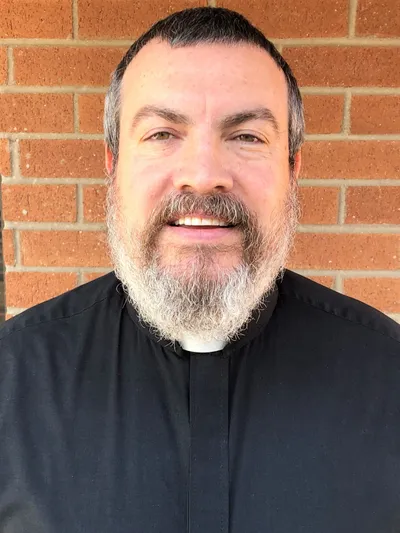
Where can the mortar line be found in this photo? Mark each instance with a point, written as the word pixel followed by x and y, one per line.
pixel 75 23
pixel 346 229
pixel 394 316
pixel 84 89
pixel 351 137
pixel 59 270
pixel 350 273
pixel 10 66
pixel 212 3
pixel 354 90
pixel 56 226
pixel 79 278
pixel 17 247
pixel 48 89
pixel 342 204
pixel 14 310
pixel 346 125
pixel 79 204
pixel 332 137
pixel 54 136
pixel 350 229
pixel 53 181
pixel 352 18
pixel 338 283
pixel 76 114
pixel 15 159
pixel 354 182
pixel 395 274
pixel 123 43
pixel 303 182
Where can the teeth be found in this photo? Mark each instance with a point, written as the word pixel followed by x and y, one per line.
pixel 195 221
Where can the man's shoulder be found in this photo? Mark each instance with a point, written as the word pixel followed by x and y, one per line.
pixel 68 305
pixel 338 309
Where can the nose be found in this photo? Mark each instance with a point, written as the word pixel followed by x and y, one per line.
pixel 202 170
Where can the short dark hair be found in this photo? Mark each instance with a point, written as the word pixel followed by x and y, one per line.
pixel 204 25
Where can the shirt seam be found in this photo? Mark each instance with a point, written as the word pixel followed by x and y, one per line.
pixel 48 321
pixel 332 313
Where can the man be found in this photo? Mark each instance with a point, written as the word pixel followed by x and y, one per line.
pixel 201 388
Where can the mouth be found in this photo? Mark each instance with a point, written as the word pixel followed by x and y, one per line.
pixel 200 229
pixel 196 222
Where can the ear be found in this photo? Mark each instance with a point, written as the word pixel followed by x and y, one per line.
pixel 109 158
pixel 297 165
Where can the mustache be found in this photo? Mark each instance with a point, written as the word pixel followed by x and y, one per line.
pixel 220 206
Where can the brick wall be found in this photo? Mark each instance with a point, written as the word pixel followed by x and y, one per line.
pixel 55 61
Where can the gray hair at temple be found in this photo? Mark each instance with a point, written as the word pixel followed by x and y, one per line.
pixel 203 25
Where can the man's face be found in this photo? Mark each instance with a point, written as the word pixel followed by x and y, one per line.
pixel 202 177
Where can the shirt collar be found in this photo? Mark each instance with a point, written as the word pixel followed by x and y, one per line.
pixel 257 323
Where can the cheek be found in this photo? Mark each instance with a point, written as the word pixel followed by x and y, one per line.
pixel 142 186
pixel 265 190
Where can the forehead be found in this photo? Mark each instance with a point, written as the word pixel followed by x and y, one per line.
pixel 203 78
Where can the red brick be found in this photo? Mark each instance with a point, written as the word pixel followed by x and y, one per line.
pixel 41 19
pixel 285 18
pixel 328 281
pixel 323 113
pixel 64 248
pixel 90 276
pixel 62 159
pixel 5 169
pixel 345 251
pixel 320 205
pixel 7 239
pixel 3 65
pixel 25 289
pixel 341 66
pixel 373 205
pixel 39 203
pixel 379 18
pixel 91 109
pixel 8 316
pixel 382 293
pixel 375 114
pixel 125 19
pixel 39 113
pixel 351 159
pixel 65 65
pixel 94 197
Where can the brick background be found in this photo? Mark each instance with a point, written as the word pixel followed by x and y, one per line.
pixel 378 18
pixel 56 57
pixel 62 158
pixel 129 17
pixel 39 203
pixel 3 64
pixel 375 114
pixel 36 19
pixel 37 113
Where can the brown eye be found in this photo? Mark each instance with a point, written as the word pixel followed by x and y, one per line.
pixel 248 138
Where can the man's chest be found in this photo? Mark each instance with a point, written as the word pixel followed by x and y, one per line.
pixel 199 447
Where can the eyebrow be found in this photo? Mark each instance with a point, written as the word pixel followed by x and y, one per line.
pixel 227 122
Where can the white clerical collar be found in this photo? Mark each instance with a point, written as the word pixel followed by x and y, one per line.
pixel 192 344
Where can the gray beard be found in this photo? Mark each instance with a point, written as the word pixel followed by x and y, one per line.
pixel 196 304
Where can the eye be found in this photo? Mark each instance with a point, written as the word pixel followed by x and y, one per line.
pixel 248 138
pixel 160 136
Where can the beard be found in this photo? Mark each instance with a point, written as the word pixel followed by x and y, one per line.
pixel 193 296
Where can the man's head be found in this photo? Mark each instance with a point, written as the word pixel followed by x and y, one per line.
pixel 203 125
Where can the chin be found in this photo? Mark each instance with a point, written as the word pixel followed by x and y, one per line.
pixel 211 264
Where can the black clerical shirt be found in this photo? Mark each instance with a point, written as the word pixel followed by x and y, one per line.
pixel 293 428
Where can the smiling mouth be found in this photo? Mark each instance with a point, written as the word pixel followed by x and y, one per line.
pixel 200 223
